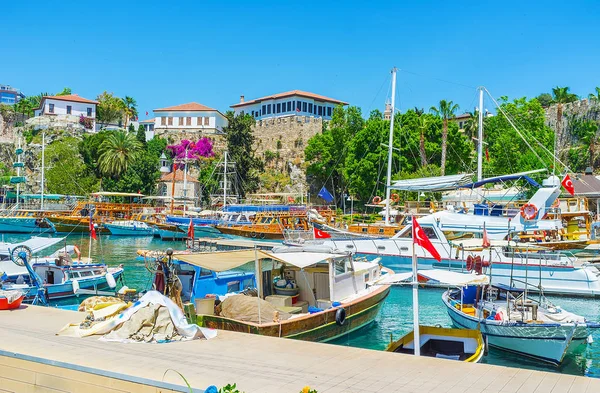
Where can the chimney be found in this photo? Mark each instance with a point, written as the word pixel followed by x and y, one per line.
pixel 241 99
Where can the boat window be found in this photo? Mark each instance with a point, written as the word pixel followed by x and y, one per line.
pixel 205 272
pixel 233 286
pixel 340 266
pixel 74 274
pixel 97 272
pixel 429 232
pixel 86 273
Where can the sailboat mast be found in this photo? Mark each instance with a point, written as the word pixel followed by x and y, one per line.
pixel 390 150
pixel 415 296
pixel 43 167
pixel 19 149
pixel 185 180
pixel 225 181
pixel 480 138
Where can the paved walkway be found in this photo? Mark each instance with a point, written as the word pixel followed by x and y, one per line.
pixel 269 365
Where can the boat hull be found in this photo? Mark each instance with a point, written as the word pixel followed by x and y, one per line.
pixel 25 225
pixel 546 342
pixel 320 327
pixel 5 305
pixel 254 233
pixel 118 230
pixel 74 225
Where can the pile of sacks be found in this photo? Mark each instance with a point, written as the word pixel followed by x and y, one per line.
pixel 153 318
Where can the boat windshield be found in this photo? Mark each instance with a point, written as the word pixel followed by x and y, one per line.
pixel 407 232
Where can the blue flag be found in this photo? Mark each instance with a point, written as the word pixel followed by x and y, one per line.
pixel 325 195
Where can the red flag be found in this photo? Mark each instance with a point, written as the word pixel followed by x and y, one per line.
pixel 146 113
pixel 190 233
pixel 567 183
pixel 487 155
pixel 92 228
pixel 486 240
pixel 319 234
pixel 422 240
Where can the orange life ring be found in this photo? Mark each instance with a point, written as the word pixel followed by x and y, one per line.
pixel 376 200
pixel 529 211
pixel 290 199
pixel 395 198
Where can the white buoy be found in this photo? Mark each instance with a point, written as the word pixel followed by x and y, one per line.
pixel 76 287
pixel 110 280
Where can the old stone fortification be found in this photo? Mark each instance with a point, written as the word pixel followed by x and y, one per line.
pixel 281 141
pixel 174 137
pixel 579 110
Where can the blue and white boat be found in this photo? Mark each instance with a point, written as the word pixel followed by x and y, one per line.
pixel 62 277
pixel 511 321
pixel 25 222
pixel 129 228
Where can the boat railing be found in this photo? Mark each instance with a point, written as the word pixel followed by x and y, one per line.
pixel 545 258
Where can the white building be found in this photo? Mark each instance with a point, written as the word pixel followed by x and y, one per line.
pixel 189 118
pixel 290 103
pixel 70 104
pixel 148 128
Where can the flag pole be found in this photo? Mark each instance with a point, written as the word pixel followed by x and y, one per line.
pixel 415 293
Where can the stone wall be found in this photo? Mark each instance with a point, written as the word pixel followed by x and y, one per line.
pixel 581 110
pixel 286 137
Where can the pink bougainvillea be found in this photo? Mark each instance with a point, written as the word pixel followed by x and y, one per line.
pixel 195 150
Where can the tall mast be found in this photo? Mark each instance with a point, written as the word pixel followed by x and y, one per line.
pixel 390 150
pixel 225 181
pixel 480 137
pixel 43 167
pixel 19 152
pixel 185 158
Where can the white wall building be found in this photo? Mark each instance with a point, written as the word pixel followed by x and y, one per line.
pixel 70 104
pixel 148 128
pixel 189 117
pixel 290 103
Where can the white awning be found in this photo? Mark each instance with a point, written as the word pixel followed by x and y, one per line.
pixel 227 260
pixel 477 244
pixel 437 276
pixel 35 243
pixel 433 184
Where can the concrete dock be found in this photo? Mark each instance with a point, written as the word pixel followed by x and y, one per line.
pixel 34 359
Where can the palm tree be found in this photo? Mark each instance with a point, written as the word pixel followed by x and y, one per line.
pixel 560 96
pixel 422 125
pixel 445 110
pixel 595 96
pixel 472 124
pixel 118 151
pixel 129 109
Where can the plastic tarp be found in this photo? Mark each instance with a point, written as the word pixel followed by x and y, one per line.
pixel 437 276
pixel 499 179
pixel 227 260
pixel 433 184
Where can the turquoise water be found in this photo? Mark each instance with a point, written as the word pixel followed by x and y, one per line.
pixel 394 319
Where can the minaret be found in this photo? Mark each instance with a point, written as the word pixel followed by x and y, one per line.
pixel 387 113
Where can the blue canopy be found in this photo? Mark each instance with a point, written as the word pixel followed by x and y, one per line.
pixel 499 179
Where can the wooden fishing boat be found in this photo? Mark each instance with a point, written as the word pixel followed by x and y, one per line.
pixel 465 345
pixel 102 208
pixel 335 294
pixel 269 225
pixel 10 300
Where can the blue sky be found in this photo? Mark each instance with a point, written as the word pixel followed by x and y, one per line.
pixel 168 53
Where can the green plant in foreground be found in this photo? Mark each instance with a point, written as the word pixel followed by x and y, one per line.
pixel 182 377
pixel 229 388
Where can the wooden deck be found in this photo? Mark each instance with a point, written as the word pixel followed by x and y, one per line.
pixel 34 359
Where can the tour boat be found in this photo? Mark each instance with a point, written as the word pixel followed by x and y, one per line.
pixel 129 228
pixel 269 225
pixel 25 222
pixel 328 293
pixel 512 321
pixel 465 345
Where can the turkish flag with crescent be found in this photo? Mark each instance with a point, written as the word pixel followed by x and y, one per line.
pixel 319 234
pixel 567 183
pixel 190 233
pixel 422 240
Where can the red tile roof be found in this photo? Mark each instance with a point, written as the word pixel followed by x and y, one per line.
pixel 168 177
pixel 463 116
pixel 192 106
pixel 147 121
pixel 71 97
pixel 300 93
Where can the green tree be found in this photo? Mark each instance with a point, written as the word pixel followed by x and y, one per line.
pixel 131 128
pixel 446 110
pixel 118 152
pixel 89 149
pixel 545 99
pixel 423 125
pixel 129 109
pixel 66 172
pixel 65 92
pixel 140 176
pixel 583 153
pixel 507 150
pixel 141 134
pixel 472 124
pixel 595 96
pixel 110 109
pixel 241 150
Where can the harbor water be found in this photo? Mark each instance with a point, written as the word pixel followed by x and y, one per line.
pixel 394 320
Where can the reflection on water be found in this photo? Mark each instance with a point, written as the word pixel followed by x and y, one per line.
pixel 394 319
